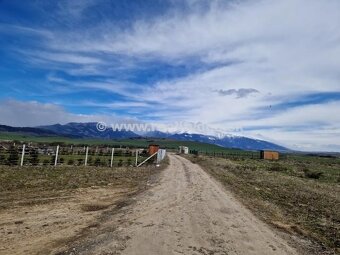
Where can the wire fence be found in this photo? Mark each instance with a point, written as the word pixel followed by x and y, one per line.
pixel 25 155
pixel 233 154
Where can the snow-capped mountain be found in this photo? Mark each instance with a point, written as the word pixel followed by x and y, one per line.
pixel 89 130
pixel 230 141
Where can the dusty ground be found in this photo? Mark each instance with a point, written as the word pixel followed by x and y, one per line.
pixel 43 209
pixel 44 225
pixel 187 212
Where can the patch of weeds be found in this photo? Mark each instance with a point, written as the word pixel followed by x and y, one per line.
pixel 277 167
pixel 94 207
pixel 313 174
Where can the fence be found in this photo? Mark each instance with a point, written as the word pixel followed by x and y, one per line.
pixel 25 155
pixel 234 154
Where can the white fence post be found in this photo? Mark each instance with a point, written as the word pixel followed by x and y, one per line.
pixel 22 155
pixel 113 151
pixel 136 157
pixel 86 154
pixel 56 156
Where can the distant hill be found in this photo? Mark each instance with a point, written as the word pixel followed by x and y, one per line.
pixel 27 130
pixel 89 130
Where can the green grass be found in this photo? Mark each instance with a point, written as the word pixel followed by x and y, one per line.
pixel 284 194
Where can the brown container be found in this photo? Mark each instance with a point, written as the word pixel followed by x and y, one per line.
pixel 271 155
pixel 153 148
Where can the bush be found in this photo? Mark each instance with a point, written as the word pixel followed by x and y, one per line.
pixel 313 175
pixel 97 162
pixel 34 160
pixel 89 160
pixel 276 167
pixel 61 160
pixel 120 162
pixel 52 160
pixel 80 161
pixel 2 159
pixel 13 156
pixel 70 162
pixel 46 162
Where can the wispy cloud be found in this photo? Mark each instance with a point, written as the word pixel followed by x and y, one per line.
pixel 240 93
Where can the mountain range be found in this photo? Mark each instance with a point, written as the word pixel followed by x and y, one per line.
pixel 89 130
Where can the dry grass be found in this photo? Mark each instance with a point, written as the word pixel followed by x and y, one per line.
pixel 39 185
pixel 94 207
pixel 286 194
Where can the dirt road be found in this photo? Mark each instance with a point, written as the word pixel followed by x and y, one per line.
pixel 187 213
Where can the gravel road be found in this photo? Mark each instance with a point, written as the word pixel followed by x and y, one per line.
pixel 188 212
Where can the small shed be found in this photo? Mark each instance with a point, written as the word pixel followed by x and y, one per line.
pixel 271 155
pixel 153 148
pixel 183 149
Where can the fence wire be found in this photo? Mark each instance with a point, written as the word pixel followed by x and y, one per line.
pixel 26 155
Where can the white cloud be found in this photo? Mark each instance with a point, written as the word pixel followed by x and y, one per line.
pixel 33 113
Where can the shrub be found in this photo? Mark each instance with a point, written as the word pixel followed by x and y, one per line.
pixel 34 160
pixel 52 160
pixel 313 175
pixel 2 159
pixel 277 167
pixel 46 162
pixel 80 161
pixel 70 162
pixel 97 162
pixel 13 156
pixel 89 160
pixel 120 162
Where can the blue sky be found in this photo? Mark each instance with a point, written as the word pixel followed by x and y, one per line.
pixel 268 69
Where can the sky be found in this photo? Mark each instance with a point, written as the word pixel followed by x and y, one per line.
pixel 259 68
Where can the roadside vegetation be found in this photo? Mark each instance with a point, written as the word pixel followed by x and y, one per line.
pixel 299 194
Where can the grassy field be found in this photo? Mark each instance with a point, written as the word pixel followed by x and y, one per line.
pixel 29 183
pixel 299 194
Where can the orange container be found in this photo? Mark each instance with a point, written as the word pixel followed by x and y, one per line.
pixel 153 148
pixel 271 155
